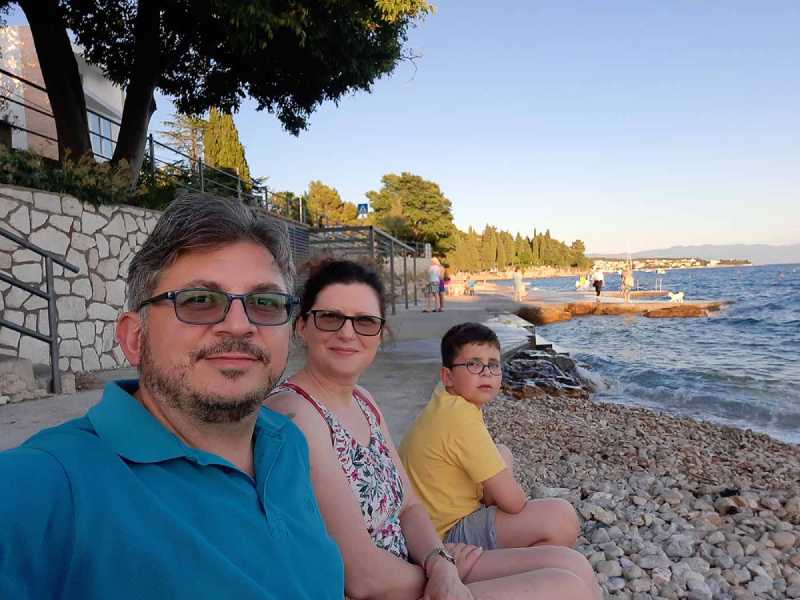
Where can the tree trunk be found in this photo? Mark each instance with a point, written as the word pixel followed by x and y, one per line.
pixel 61 76
pixel 139 102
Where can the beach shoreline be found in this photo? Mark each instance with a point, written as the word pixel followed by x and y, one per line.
pixel 671 507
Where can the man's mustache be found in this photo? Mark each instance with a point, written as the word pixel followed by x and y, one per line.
pixel 237 345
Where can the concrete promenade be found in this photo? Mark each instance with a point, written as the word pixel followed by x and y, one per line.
pixel 401 378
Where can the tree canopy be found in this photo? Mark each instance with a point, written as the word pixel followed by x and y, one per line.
pixel 499 249
pixel 288 57
pixel 412 208
pixel 325 205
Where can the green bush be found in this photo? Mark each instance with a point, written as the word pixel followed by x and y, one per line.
pixel 89 180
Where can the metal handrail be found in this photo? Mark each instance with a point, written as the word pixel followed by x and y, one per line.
pixel 49 296
pixel 376 240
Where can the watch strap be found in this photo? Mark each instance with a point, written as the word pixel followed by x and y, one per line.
pixel 438 551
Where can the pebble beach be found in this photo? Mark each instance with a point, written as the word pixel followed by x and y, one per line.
pixel 670 507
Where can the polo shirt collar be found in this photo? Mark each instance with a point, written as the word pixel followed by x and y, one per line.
pixel 136 435
pixel 129 428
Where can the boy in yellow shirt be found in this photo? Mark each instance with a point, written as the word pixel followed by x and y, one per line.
pixel 463 477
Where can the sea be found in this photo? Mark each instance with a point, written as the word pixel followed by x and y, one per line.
pixel 739 367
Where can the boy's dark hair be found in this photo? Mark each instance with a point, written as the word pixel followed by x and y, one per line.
pixel 459 336
pixel 332 271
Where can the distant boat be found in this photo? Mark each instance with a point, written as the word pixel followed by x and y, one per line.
pixel 661 271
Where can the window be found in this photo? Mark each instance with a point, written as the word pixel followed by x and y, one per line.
pixel 103 134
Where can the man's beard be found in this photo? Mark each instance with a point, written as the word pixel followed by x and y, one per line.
pixel 174 387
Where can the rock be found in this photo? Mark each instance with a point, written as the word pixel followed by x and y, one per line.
pixel 108 268
pixel 71 206
pixel 91 222
pixel 82 287
pixel 20 220
pixel 611 568
pixel 760 585
pixel 115 227
pixel 28 273
pixel 783 540
pixel 103 312
pixel 61 222
pixel 102 245
pixel 82 242
pixel 50 238
pixel 47 202
pixel 544 314
pixel 115 296
pixel 71 308
pixel 677 311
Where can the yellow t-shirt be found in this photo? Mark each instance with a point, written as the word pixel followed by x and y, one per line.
pixel 447 453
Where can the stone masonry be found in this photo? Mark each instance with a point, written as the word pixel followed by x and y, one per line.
pixel 101 242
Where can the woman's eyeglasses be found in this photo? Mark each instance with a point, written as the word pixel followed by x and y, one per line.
pixel 476 367
pixel 209 307
pixel 331 320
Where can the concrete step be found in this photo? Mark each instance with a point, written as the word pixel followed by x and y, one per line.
pixel 17 380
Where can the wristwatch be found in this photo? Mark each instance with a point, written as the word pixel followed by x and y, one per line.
pixel 438 551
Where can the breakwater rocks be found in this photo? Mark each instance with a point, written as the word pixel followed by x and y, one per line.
pixel 548 312
pixel 670 507
pixel 533 373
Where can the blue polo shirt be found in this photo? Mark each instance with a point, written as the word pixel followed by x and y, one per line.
pixel 113 505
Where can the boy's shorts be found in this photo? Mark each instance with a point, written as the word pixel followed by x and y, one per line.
pixel 477 529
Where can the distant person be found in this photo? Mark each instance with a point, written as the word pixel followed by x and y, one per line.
pixel 597 281
pixel 470 285
pixel 627 283
pixel 179 485
pixel 519 285
pixel 444 282
pixel 434 277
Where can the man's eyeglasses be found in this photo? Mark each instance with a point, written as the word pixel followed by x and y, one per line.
pixel 476 367
pixel 331 320
pixel 209 307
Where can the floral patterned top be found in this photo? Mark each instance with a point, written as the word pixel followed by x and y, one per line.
pixel 370 470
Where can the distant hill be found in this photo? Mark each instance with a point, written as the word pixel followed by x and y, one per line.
pixel 758 254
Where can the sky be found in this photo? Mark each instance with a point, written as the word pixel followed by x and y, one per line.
pixel 630 125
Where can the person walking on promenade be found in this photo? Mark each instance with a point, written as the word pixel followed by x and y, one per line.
pixel 519 285
pixel 444 282
pixel 597 281
pixel 627 283
pixel 179 485
pixel 389 544
pixel 434 278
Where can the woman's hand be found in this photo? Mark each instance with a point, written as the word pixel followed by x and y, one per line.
pixel 445 584
pixel 466 556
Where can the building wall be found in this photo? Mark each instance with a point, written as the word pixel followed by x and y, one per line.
pixel 18 55
pixel 101 242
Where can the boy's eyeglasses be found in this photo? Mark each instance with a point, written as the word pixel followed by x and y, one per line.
pixel 199 306
pixel 331 320
pixel 476 367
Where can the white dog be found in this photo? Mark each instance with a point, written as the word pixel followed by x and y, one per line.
pixel 676 297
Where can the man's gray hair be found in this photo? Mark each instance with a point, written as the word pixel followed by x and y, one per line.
pixel 198 220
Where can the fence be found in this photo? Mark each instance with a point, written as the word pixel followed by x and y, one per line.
pixel 374 244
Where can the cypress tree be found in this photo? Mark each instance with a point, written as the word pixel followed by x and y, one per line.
pixel 222 148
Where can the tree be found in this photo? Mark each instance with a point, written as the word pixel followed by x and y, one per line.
pixel 185 132
pixel 286 204
pixel 222 148
pixel 289 57
pixel 410 207
pixel 488 248
pixel 325 205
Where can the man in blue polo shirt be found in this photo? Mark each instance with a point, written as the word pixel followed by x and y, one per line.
pixel 179 485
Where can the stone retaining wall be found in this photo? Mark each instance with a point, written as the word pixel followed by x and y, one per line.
pixel 101 242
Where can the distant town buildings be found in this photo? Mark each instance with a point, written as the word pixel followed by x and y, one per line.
pixel 656 264
pixel 25 107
